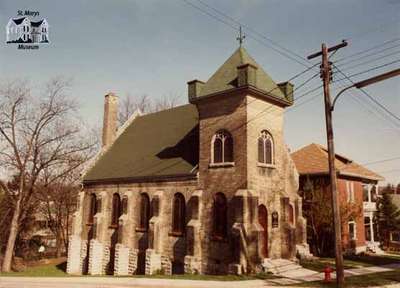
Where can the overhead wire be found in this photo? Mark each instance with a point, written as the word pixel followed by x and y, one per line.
pixel 369 96
pixel 285 54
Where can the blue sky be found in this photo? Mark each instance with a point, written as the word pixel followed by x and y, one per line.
pixel 155 47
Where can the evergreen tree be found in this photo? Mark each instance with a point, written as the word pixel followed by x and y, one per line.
pixel 388 217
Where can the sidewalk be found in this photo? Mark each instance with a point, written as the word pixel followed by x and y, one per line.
pixel 304 275
pixel 296 277
pixel 106 282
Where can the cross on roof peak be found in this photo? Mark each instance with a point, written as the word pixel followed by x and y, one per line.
pixel 241 37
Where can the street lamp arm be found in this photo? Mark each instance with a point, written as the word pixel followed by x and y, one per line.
pixel 340 93
pixel 367 82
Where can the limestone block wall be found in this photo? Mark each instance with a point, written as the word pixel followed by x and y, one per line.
pixel 76 254
pixel 98 259
pixel 272 182
pixel 228 113
pixel 125 260
pixel 168 248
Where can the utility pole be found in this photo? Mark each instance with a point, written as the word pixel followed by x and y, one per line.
pixel 326 74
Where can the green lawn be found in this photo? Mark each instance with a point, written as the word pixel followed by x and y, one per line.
pixel 49 270
pixel 355 261
pixel 368 280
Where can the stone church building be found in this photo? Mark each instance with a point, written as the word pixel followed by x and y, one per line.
pixel 207 187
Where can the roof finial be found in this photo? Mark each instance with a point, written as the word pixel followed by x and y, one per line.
pixel 241 36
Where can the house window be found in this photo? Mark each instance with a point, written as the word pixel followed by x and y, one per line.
pixel 222 145
pixel 144 212
pixel 178 214
pixel 265 148
pixel 352 230
pixel 220 216
pixel 92 208
pixel 395 236
pixel 116 209
pixel 350 191
pixel 367 228
pixel 373 193
pixel 365 192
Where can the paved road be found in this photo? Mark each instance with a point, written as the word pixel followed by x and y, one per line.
pixel 105 282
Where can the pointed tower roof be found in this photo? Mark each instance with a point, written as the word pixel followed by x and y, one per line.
pixel 227 78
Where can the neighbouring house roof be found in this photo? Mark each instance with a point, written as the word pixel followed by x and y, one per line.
pixel 36 24
pixel 313 159
pixel 225 77
pixel 157 144
pixel 19 20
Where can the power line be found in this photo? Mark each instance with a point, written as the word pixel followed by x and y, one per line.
pixel 369 96
pixel 365 71
pixel 368 61
pixel 389 171
pixel 371 49
pixel 252 30
pixel 381 161
pixel 254 38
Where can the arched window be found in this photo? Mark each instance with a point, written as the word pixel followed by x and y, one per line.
pixel 222 145
pixel 220 216
pixel 265 148
pixel 92 208
pixel 144 212
pixel 290 214
pixel 178 214
pixel 116 209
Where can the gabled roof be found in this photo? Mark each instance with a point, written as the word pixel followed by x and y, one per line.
pixel 226 76
pixel 313 159
pixel 36 24
pixel 154 145
pixel 19 20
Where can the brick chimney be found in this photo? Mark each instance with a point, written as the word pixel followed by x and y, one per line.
pixel 110 118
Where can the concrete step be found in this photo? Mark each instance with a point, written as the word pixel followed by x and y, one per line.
pixel 285 267
pixel 280 266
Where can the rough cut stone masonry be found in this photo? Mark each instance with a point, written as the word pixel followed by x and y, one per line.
pixel 247 185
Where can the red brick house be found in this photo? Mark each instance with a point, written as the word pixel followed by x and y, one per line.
pixel 357 194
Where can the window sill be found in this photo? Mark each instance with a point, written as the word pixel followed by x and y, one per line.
pixel 264 165
pixel 176 234
pixel 221 165
pixel 139 229
pixel 113 226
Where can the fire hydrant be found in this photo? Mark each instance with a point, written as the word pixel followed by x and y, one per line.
pixel 328 270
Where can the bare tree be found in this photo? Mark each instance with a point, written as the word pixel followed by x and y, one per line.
pixel 318 211
pixel 130 104
pixel 37 134
pixel 57 202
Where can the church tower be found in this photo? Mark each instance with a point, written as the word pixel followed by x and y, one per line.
pixel 245 170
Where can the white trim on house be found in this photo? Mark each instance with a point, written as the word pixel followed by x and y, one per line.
pixel 354 229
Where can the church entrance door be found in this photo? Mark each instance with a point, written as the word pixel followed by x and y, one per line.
pixel 263 220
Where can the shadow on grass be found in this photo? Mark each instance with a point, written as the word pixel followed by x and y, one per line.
pixel 62 266
pixel 374 260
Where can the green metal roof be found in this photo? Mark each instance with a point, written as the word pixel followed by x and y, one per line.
pixel 226 76
pixel 157 144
